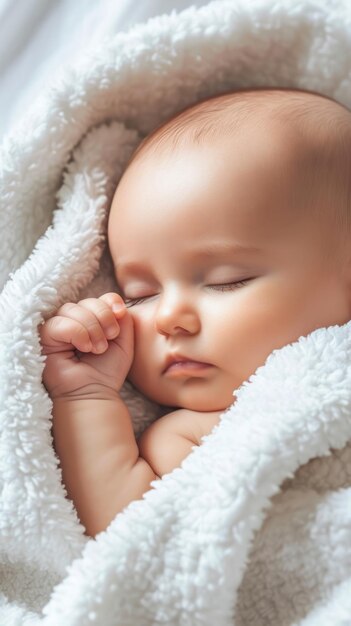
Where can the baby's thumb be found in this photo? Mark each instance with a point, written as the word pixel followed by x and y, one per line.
pixel 125 339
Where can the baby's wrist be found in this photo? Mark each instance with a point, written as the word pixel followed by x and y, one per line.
pixel 91 391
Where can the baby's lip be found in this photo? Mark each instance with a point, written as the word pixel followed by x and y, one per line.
pixel 179 358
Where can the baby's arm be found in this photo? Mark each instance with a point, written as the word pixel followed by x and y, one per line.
pixel 92 429
pixel 100 462
pixel 102 467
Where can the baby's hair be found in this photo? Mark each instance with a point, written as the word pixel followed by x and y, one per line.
pixel 323 125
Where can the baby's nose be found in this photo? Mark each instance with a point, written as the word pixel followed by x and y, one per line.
pixel 177 316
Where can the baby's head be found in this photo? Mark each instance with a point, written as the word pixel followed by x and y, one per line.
pixel 230 236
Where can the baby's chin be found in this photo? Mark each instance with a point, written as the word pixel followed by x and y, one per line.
pixel 195 395
pixel 199 400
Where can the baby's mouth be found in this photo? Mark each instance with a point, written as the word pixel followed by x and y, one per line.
pixel 178 365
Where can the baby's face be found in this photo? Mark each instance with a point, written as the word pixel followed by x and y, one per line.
pixel 225 266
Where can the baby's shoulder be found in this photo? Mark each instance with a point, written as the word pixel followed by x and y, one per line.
pixel 191 425
pixel 171 438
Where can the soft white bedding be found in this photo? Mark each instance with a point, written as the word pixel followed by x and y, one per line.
pixel 254 527
pixel 37 37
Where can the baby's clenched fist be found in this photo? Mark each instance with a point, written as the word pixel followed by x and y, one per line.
pixel 89 345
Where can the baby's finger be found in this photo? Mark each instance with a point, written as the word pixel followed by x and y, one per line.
pixel 87 313
pixel 102 308
pixel 60 330
pixel 116 302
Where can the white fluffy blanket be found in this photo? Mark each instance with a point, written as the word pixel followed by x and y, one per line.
pixel 255 527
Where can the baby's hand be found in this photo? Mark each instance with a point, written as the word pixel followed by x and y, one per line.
pixel 88 350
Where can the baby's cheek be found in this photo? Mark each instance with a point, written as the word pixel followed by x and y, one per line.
pixel 142 321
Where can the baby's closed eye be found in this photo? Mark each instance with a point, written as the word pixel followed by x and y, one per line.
pixel 217 287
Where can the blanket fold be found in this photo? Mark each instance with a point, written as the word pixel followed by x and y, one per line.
pixel 254 527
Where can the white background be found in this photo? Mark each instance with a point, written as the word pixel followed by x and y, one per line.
pixel 37 36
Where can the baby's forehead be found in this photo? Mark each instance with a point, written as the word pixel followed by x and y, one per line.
pixel 183 178
pixel 309 137
pixel 275 141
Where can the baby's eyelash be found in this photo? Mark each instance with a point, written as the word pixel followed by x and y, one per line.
pixel 229 286
pixel 132 301
pixel 220 287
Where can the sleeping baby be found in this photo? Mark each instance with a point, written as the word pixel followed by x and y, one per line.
pixel 229 235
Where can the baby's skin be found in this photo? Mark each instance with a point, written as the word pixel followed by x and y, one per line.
pixel 219 260
pixel 89 349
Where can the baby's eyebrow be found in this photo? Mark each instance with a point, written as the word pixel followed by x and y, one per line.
pixel 214 249
pixel 207 251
